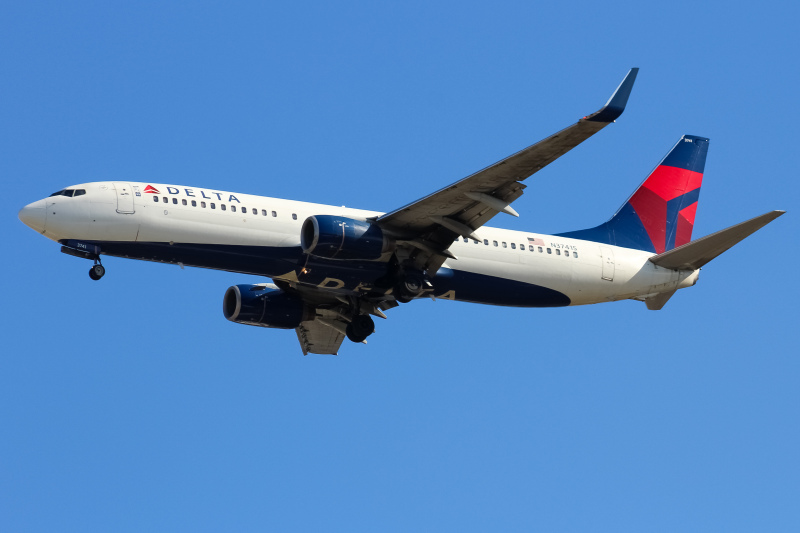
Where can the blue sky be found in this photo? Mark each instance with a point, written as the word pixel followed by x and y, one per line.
pixel 131 404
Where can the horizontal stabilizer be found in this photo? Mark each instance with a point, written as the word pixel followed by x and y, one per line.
pixel 697 253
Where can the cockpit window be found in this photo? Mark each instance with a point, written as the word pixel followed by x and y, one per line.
pixel 69 192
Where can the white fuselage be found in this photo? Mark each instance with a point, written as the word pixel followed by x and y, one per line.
pixel 120 216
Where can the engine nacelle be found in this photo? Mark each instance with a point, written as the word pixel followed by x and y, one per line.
pixel 335 237
pixel 258 305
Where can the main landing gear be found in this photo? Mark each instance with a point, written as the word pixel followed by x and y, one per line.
pixel 411 286
pixel 361 327
pixel 97 271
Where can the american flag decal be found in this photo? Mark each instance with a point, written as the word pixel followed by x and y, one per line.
pixel 536 241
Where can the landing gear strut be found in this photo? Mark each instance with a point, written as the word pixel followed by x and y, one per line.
pixel 97 271
pixel 360 328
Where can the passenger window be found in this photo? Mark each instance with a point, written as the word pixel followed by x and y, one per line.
pixel 233 208
pixel 495 243
pixel 513 246
pixel 521 246
pixel 294 217
pixel 274 213
pixel 194 203
pixel 155 198
pixel 558 252
pixel 540 249
pixel 223 207
pixel 80 192
pixel 264 212
pixel 477 242
pixel 530 247
pixel 255 211
pixel 166 200
pixel 549 251
pixel 175 201
pixel 183 201
pixel 504 245
pixel 575 255
pixel 566 252
pixel 213 206
pixel 202 204
pixel 486 242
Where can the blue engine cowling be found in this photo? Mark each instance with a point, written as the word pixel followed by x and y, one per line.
pixel 257 305
pixel 336 237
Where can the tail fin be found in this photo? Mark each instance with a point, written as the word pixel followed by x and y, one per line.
pixel 660 215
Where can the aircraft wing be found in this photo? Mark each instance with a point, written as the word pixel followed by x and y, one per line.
pixel 426 228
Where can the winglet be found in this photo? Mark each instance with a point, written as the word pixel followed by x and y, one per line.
pixel 616 104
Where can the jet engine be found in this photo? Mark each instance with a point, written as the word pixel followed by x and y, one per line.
pixel 335 237
pixel 259 305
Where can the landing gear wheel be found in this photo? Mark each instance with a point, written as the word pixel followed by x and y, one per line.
pixel 360 328
pixel 97 272
pixel 353 335
pixel 412 286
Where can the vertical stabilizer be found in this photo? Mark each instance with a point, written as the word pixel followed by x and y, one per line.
pixel 659 215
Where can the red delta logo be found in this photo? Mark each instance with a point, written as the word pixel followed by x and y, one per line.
pixel 151 190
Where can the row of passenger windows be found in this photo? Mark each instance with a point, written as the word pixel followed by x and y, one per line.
pixel 531 247
pixel 223 207
pixel 69 192
pixel 265 213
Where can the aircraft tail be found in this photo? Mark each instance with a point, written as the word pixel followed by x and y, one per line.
pixel 695 254
pixel 659 215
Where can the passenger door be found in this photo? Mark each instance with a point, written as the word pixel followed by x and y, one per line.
pixel 124 198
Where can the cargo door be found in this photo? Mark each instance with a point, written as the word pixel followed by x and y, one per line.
pixel 607 257
pixel 124 198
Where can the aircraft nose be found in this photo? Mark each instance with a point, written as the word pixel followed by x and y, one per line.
pixel 33 215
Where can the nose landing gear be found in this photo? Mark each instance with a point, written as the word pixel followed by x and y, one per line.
pixel 86 251
pixel 97 271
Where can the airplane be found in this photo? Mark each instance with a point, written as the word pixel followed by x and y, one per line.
pixel 334 268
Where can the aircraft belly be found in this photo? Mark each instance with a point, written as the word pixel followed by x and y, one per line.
pixel 255 260
pixel 501 283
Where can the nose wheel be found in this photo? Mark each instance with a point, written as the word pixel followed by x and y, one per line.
pixel 97 271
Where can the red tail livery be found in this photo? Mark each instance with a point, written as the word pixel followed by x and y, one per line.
pixel 660 215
